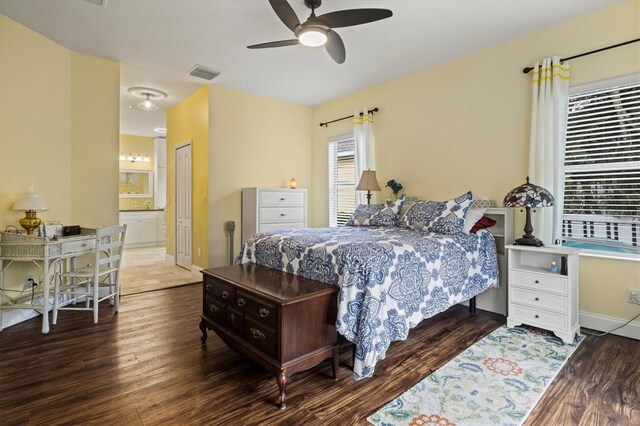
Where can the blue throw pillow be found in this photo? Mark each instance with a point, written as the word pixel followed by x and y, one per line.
pixel 377 214
pixel 442 217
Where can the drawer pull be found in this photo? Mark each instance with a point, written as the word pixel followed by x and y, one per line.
pixel 209 286
pixel 537 299
pixel 233 317
pixel 225 294
pixel 84 245
pixel 282 214
pixel 537 282
pixel 264 312
pixel 214 308
pixel 241 302
pixel 257 334
pixel 283 199
pixel 536 316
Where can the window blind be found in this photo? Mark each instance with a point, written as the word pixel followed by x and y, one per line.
pixel 342 181
pixel 602 166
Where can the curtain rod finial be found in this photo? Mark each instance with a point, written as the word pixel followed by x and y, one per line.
pixel 527 70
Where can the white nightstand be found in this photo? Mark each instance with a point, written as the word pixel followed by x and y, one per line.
pixel 539 297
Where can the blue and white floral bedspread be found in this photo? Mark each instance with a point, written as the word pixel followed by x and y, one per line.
pixel 389 278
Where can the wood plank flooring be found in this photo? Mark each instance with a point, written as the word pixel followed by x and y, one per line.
pixel 145 366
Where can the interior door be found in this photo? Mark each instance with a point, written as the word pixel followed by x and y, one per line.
pixel 183 206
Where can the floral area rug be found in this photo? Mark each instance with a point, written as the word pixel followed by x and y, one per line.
pixel 497 381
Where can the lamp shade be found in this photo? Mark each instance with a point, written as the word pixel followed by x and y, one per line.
pixel 368 181
pixel 529 195
pixel 30 202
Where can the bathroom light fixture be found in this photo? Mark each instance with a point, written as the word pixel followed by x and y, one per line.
pixel 148 94
pixel 122 157
pixel 135 159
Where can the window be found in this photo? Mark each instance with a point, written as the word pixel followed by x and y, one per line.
pixel 342 180
pixel 602 166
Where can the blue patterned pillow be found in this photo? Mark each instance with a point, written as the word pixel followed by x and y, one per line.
pixel 442 217
pixel 377 214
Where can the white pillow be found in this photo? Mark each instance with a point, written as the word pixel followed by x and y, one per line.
pixel 473 215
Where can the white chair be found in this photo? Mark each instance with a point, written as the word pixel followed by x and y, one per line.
pixel 86 282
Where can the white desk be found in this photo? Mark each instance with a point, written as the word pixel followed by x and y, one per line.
pixel 48 255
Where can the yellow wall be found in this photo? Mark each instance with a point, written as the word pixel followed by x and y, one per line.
pixel 136 145
pixel 189 121
pixel 52 138
pixel 254 141
pixel 465 125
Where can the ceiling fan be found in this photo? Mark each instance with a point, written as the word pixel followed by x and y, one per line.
pixel 318 30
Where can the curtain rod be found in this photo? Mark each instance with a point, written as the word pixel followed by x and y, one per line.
pixel 326 123
pixel 529 69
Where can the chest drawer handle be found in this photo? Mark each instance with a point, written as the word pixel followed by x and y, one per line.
pixel 282 214
pixel 257 334
pixel 214 308
pixel 233 317
pixel 225 294
pixel 282 199
pixel 536 316
pixel 264 312
pixel 209 286
pixel 241 302
pixel 537 299
pixel 537 282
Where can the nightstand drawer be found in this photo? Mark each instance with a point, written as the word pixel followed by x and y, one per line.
pixel 260 336
pixel 537 317
pixel 78 246
pixel 219 289
pixel 539 299
pixel 257 307
pixel 282 214
pixel 557 284
pixel 284 198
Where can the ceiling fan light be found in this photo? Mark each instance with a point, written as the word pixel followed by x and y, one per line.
pixel 313 37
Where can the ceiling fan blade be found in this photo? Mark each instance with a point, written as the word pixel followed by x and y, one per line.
pixel 335 47
pixel 350 17
pixel 280 43
pixel 285 13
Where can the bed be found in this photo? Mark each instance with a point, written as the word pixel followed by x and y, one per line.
pixel 390 278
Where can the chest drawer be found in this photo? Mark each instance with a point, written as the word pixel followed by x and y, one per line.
pixel 281 214
pixel 539 299
pixel 284 225
pixel 219 289
pixel 235 320
pixel 257 307
pixel 284 198
pixel 557 284
pixel 214 309
pixel 538 317
pixel 71 247
pixel 260 336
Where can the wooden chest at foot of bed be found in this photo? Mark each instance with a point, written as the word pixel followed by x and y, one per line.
pixel 282 321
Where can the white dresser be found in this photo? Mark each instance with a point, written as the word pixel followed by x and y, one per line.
pixel 542 298
pixel 267 209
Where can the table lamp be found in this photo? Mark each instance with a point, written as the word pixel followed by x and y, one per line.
pixel 529 196
pixel 30 204
pixel 368 182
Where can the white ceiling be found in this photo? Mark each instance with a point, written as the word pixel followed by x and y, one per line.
pixel 158 41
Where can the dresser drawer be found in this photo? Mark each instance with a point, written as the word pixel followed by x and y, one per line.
pixel 257 307
pixel 235 320
pixel 71 247
pixel 539 299
pixel 214 309
pixel 557 284
pixel 538 317
pixel 284 225
pixel 260 336
pixel 219 289
pixel 282 214
pixel 284 198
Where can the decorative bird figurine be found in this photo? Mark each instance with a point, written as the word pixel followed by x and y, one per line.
pixel 395 186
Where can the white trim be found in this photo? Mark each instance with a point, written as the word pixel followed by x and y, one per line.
pixel 196 269
pixel 603 84
pixel 169 259
pixel 604 254
pixel 341 138
pixel 602 323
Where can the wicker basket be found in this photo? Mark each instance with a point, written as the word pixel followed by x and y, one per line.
pixel 21 246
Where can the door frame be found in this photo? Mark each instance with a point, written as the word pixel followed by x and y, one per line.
pixel 188 143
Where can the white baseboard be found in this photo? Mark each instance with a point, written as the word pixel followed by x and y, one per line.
pixel 16 316
pixel 601 323
pixel 169 259
pixel 196 269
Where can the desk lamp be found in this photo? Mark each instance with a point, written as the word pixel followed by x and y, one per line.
pixel 529 196
pixel 368 182
pixel 30 204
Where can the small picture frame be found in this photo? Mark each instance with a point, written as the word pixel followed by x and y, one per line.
pixel 52 229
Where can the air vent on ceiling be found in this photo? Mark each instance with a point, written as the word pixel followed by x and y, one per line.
pixel 102 3
pixel 203 72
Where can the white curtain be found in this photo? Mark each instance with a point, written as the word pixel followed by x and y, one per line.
pixel 363 138
pixel 548 136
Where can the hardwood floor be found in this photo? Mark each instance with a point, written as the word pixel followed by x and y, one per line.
pixel 145 366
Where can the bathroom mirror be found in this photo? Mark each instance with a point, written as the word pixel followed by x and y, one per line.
pixel 136 183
